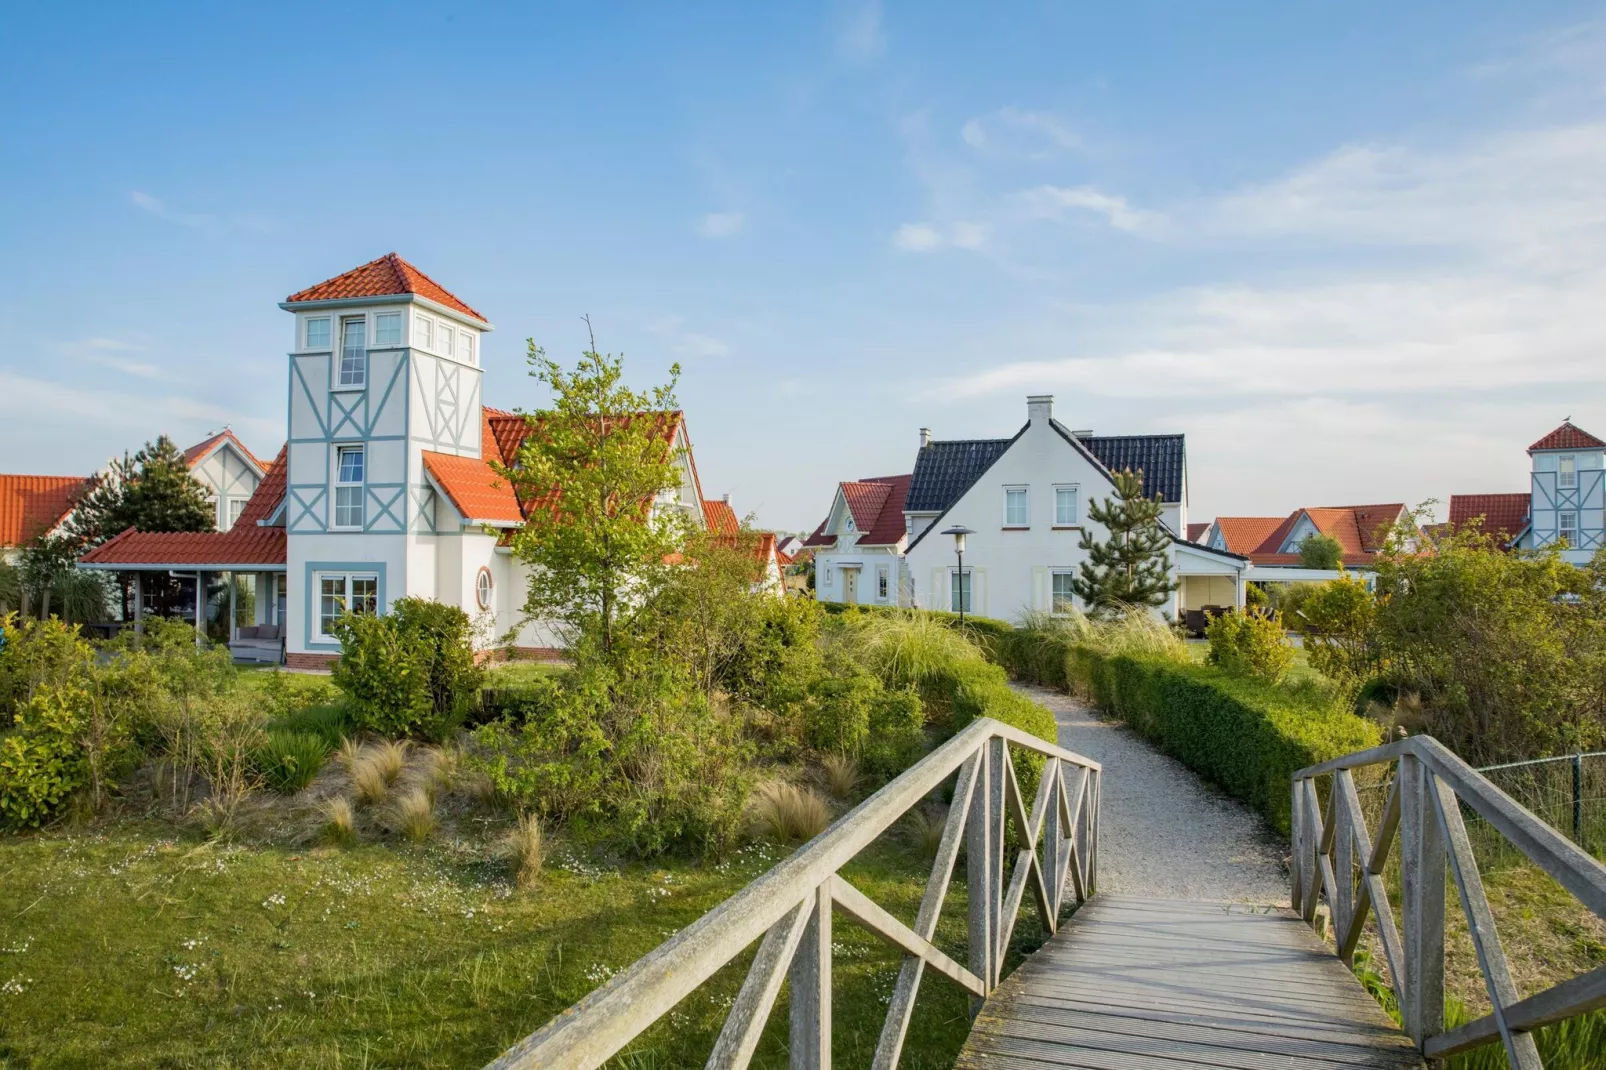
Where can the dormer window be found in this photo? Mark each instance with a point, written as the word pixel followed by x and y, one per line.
pixel 1567 472
pixel 318 333
pixel 353 352
pixel 850 523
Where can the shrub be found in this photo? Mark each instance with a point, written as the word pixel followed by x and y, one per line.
pixel 838 714
pixel 411 670
pixel 1340 618
pixel 925 830
pixel 411 814
pixel 330 723
pixel 908 649
pixel 1317 550
pixel 1247 644
pixel 842 775
pixel 895 741
pixel 524 847
pixel 288 759
pixel 41 764
pixel 339 821
pixel 1242 734
pixel 787 813
pixel 1255 597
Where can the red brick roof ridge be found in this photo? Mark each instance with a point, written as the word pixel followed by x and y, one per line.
pixel 1569 436
pixel 365 281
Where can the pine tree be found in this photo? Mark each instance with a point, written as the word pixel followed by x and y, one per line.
pixel 1131 567
pixel 151 491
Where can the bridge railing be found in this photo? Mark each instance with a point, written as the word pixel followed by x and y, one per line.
pixel 791 908
pixel 1337 858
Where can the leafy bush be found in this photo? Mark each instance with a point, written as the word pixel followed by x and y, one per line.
pixel 1243 734
pixel 409 671
pixel 1255 596
pixel 41 764
pixel 1320 551
pixel 1340 619
pixel 289 759
pixel 838 714
pixel 1248 644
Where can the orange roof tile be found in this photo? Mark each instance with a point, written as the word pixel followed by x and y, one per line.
pixel 1503 515
pixel 388 275
pixel 1361 531
pixel 474 488
pixel 721 518
pixel 1244 534
pixel 876 505
pixel 1567 437
pixel 243 544
pixel 31 506
pixel 196 453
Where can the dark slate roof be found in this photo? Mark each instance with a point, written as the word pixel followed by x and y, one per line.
pixel 1161 459
pixel 945 470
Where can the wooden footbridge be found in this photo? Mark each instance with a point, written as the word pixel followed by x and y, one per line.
pixel 1125 983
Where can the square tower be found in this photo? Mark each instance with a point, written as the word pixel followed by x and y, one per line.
pixel 1568 496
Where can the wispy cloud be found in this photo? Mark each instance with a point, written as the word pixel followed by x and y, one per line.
pixel 672 329
pixel 129 367
pixel 203 221
pixel 721 224
pixel 1012 131
pixel 859 37
pixel 926 237
pixel 1051 202
pixel 42 407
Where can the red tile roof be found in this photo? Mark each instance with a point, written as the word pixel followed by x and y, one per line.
pixel 246 543
pixel 1196 530
pixel 32 505
pixel 1567 437
pixel 1244 534
pixel 198 452
pixel 721 518
pixel 1503 515
pixel 474 488
pixel 1361 530
pixel 388 275
pixel 876 505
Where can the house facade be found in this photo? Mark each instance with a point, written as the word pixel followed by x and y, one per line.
pixel 386 486
pixel 229 472
pixel 1024 499
pixel 1565 502
pixel 1271 543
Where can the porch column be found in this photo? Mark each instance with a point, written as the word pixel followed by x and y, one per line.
pixel 200 609
pixel 1239 593
pixel 139 608
pixel 232 620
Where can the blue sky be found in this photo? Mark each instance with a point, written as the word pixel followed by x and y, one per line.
pixel 1355 251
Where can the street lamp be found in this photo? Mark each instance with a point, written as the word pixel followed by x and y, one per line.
pixel 959 531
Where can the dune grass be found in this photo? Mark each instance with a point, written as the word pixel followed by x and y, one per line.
pixel 132 948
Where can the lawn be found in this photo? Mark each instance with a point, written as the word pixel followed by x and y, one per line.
pixel 130 945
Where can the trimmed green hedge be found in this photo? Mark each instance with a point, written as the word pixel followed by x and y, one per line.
pixel 1246 736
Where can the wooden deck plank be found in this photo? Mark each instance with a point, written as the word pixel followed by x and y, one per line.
pixel 1149 984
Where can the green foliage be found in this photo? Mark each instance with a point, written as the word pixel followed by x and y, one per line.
pixel 1340 618
pixel 1243 734
pixel 1130 567
pixel 1250 644
pixel 1317 550
pixel 600 544
pixel 1255 596
pixel 409 671
pixel 1289 600
pixel 80 594
pixel 331 723
pixel 10 588
pixel 838 715
pixel 41 764
pixel 46 563
pixel 152 491
pixel 288 759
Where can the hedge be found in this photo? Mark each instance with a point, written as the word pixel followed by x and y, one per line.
pixel 1247 736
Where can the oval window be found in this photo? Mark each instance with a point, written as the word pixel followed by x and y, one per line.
pixel 482 588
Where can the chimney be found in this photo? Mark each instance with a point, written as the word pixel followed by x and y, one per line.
pixel 925 437
pixel 1039 407
pixel 726 498
pixel 1083 434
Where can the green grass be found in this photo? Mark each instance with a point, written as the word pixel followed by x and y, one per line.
pixel 135 948
pixel 515 673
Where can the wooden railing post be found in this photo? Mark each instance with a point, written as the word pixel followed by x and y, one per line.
pixel 1296 828
pixel 810 1037
pixel 1343 857
pixel 998 754
pixel 1422 876
pixel 978 876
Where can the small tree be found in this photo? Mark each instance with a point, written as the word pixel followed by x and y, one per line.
pixel 1317 550
pixel 153 491
pixel 594 470
pixel 1130 568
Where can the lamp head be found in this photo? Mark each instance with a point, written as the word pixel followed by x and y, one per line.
pixel 959 531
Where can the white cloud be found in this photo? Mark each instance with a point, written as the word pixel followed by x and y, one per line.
pixel 1012 131
pixel 688 343
pixel 859 38
pixel 129 367
pixel 721 224
pixel 204 221
pixel 926 237
pixel 1050 202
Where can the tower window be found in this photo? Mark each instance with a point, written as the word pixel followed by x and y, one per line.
pixel 447 334
pixel 1567 472
pixel 318 333
pixel 349 473
pixel 353 352
pixel 467 346
pixel 387 329
pixel 423 333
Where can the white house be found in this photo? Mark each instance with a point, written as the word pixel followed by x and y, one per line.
pixel 385 487
pixel 229 472
pixel 1024 499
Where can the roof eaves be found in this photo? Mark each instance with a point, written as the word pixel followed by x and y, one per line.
pixel 958 497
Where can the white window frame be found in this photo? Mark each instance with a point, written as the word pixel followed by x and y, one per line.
pixel 1026 502
pixel 423 333
pixel 1075 491
pixel 345 487
pixel 347 583
pixel 306 337
pixel 382 320
pixel 1567 471
pixel 465 341
pixel 1563 530
pixel 1053 601
pixel 352 376
pixel 961 589
pixel 883 585
pixel 484 589
pixel 448 339
pixel 232 508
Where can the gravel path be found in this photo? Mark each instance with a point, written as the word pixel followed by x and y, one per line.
pixel 1166 833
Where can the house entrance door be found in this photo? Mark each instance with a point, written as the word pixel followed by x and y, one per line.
pixel 850 585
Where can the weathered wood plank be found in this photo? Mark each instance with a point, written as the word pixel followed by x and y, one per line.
pixel 748 1015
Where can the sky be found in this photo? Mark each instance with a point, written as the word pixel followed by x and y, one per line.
pixel 1356 251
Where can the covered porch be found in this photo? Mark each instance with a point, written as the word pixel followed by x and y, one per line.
pixel 1208 582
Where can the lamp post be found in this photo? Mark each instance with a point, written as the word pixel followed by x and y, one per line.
pixel 959 531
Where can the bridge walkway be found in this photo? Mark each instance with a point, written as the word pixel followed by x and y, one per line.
pixel 1131 983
